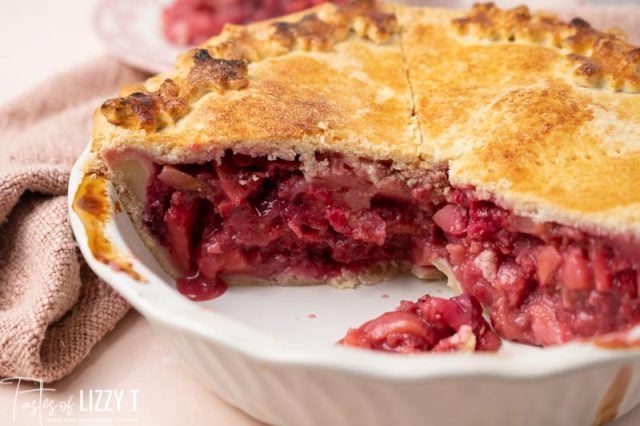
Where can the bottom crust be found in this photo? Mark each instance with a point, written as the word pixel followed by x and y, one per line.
pixel 346 280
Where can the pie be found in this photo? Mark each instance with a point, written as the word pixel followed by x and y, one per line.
pixel 346 143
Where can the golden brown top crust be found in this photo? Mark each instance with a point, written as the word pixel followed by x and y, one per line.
pixel 227 68
pixel 598 59
pixel 511 122
pixel 313 33
pixel 369 21
pixel 153 110
pixel 310 32
pixel 506 116
pixel 147 110
pixel 332 76
pixel 209 74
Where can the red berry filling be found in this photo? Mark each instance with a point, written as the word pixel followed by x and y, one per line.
pixel 430 324
pixel 543 283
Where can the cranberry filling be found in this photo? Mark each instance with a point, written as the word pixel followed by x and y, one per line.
pixel 430 324
pixel 315 220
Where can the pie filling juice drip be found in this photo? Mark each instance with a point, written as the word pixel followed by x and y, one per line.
pixel 543 284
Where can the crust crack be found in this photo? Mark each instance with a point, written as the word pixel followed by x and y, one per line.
pixel 407 71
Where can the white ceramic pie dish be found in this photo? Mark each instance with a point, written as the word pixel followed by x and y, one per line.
pixel 270 351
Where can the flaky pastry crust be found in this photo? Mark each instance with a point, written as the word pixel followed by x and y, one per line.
pixel 541 115
pixel 330 78
pixel 499 102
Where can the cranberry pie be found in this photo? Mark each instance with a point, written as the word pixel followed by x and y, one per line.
pixel 346 143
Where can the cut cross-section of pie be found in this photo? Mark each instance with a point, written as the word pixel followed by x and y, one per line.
pixel 347 143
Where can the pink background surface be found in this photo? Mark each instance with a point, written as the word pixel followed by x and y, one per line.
pixel 39 39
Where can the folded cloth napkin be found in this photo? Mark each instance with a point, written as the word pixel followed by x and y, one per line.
pixel 53 309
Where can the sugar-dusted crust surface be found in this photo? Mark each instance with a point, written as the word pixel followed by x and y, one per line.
pixel 541 115
pixel 505 99
pixel 331 78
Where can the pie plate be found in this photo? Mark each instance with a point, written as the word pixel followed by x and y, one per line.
pixel 271 352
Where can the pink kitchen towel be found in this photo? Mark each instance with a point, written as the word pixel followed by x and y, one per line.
pixel 53 309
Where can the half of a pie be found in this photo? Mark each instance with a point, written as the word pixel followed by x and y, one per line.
pixel 346 143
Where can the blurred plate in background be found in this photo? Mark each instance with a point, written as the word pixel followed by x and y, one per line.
pixel 132 31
